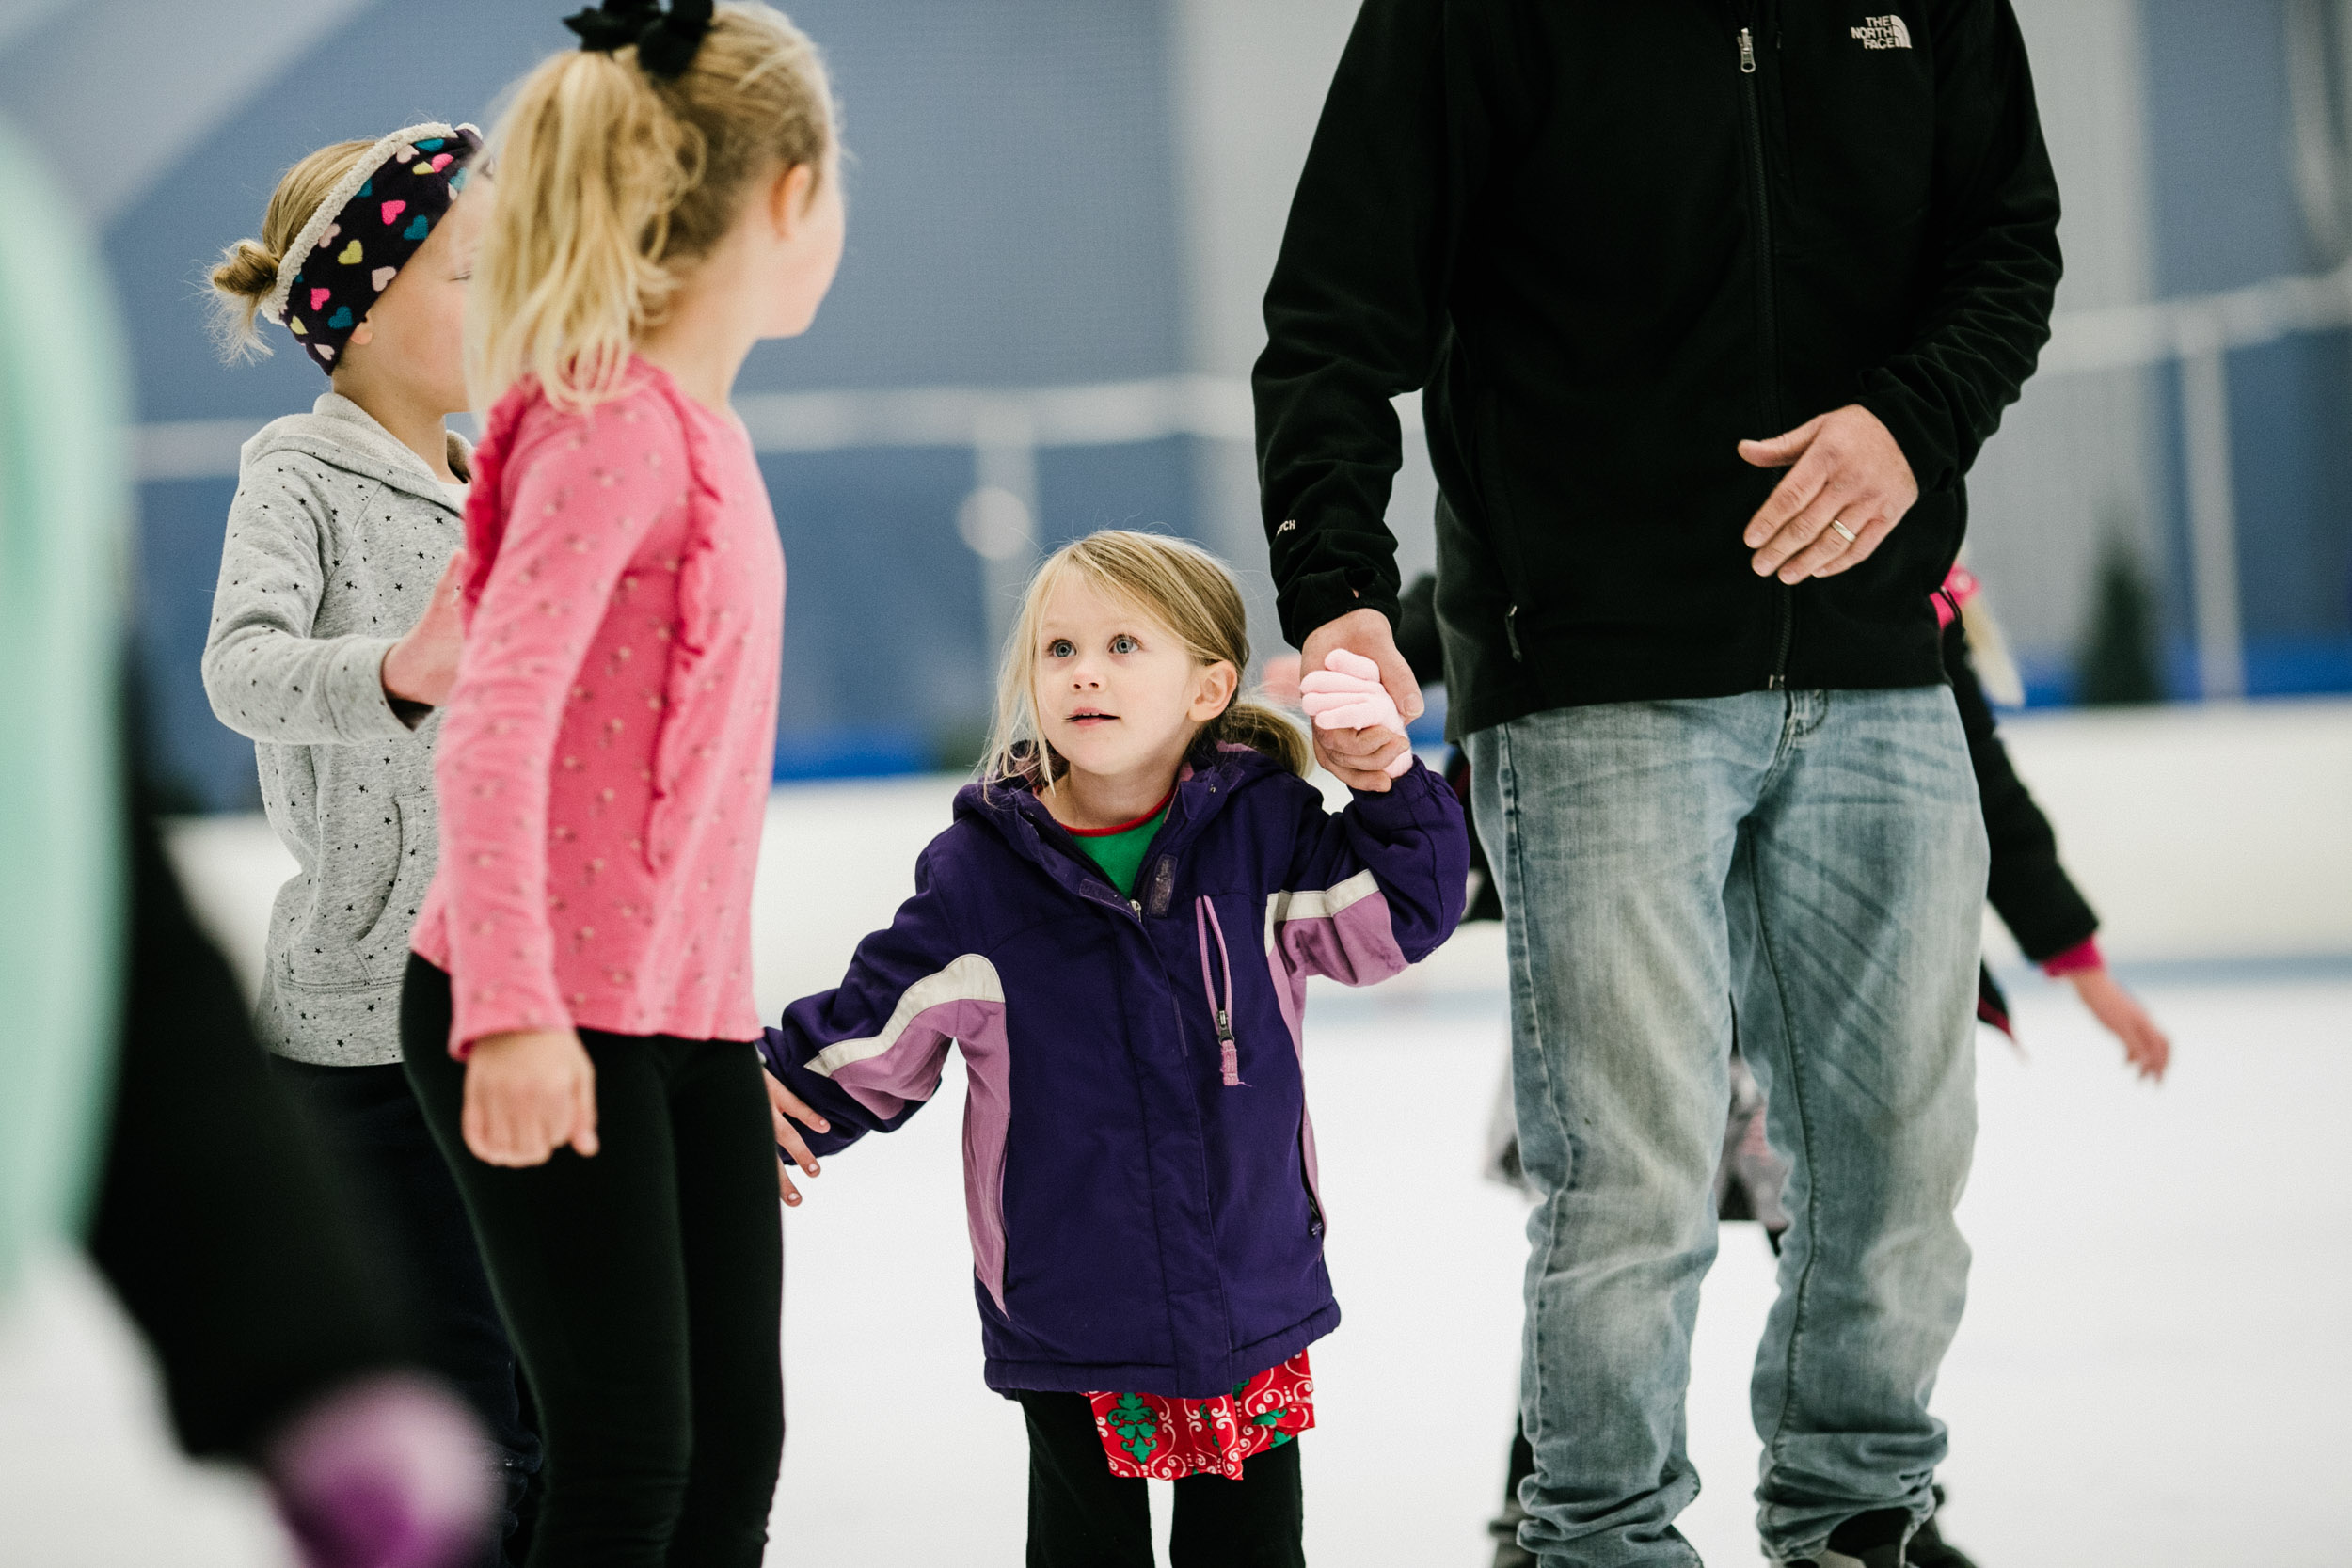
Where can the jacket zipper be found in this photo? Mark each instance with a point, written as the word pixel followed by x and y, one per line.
pixel 1751 118
pixel 1227 1052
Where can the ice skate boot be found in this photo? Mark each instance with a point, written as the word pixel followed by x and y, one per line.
pixel 1872 1540
pixel 1928 1549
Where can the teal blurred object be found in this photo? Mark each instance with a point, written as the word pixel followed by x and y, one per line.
pixel 65 498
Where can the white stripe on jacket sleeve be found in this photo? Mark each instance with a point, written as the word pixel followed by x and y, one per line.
pixel 1311 904
pixel 969 978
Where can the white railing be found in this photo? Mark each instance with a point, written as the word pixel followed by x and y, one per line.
pixel 1005 427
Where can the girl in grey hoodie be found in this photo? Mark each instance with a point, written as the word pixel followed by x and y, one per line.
pixel 334 636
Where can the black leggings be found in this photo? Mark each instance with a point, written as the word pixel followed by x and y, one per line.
pixel 644 1290
pixel 371 1120
pixel 1083 1516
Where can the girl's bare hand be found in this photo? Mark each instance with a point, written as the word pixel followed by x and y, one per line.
pixel 528 1094
pixel 423 666
pixel 2144 1044
pixel 785 1108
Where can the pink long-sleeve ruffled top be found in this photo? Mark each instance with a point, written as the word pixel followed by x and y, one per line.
pixel 606 754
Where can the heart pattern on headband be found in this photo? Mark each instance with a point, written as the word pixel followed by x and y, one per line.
pixel 407 186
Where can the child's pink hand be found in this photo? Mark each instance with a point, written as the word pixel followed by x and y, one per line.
pixel 785 1108
pixel 1347 694
pixel 2145 1046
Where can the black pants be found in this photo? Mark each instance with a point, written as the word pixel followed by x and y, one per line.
pixel 222 1223
pixel 643 1291
pixel 1083 1516
pixel 370 1117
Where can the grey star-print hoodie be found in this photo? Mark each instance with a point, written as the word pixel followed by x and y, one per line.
pixel 336 538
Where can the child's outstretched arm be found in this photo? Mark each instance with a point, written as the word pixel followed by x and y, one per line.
pixel 866 1056
pixel 1376 887
pixel 2029 888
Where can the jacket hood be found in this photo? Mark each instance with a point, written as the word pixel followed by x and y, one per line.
pixel 337 431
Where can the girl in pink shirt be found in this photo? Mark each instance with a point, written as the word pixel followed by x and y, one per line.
pixel 577 1014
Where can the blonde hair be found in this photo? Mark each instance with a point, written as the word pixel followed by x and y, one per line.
pixel 1178 584
pixel 248 273
pixel 606 179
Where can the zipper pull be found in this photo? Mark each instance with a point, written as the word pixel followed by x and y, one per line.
pixel 1747 53
pixel 1227 1052
pixel 1136 905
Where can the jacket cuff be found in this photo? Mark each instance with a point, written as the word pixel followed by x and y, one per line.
pixel 356 700
pixel 2080 959
pixel 1914 427
pixel 1400 802
pixel 1313 601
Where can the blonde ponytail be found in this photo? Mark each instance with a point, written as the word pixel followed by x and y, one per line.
pixel 608 182
pixel 247 272
pixel 1178 584
pixel 1263 727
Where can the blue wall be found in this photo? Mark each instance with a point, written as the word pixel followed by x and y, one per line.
pixel 2226 217
pixel 1013 203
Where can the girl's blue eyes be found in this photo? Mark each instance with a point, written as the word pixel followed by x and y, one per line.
pixel 1125 645
pixel 1061 647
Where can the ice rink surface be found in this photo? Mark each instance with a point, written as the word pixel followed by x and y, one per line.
pixel 2154 1368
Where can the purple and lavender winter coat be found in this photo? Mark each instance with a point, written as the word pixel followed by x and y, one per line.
pixel 1140 1169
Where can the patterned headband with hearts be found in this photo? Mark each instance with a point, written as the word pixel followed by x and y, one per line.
pixel 365 231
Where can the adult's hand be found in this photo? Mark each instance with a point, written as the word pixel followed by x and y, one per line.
pixel 528 1093
pixel 1848 486
pixel 1359 758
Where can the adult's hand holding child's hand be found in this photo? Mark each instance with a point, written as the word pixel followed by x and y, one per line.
pixel 1360 758
pixel 1347 694
pixel 785 1108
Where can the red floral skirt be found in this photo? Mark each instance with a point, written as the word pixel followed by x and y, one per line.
pixel 1165 1439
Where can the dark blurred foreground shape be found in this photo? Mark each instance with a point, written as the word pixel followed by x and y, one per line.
pixel 136 1105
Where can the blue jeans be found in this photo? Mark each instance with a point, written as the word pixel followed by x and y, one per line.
pixel 1809 868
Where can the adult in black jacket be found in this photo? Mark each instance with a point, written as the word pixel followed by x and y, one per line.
pixel 1642 259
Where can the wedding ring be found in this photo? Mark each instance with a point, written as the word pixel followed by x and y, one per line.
pixel 1843 531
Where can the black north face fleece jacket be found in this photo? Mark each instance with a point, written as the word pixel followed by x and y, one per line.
pixel 1613 238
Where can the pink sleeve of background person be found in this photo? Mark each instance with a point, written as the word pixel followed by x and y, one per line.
pixel 1347 694
pixel 582 501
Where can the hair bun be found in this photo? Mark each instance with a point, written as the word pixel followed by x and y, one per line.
pixel 247 270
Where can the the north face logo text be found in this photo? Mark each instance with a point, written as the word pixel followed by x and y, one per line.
pixel 1884 32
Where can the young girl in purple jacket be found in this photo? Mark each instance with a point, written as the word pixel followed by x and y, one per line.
pixel 1118 930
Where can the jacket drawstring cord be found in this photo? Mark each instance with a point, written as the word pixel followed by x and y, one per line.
pixel 1229 1053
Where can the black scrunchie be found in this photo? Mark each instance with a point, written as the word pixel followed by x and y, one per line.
pixel 666 45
